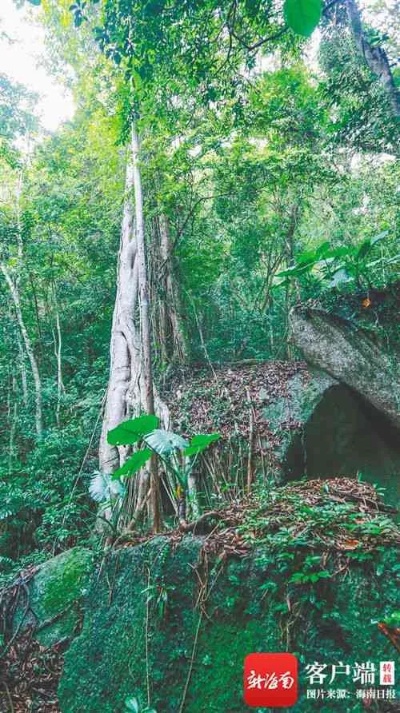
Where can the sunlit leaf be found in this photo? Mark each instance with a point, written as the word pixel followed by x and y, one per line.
pixel 340 277
pixel 302 16
pixel 379 237
pixel 129 432
pixel 165 442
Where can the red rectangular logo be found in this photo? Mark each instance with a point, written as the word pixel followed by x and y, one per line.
pixel 270 680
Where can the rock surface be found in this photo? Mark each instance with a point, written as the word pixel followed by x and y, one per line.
pixel 172 629
pixel 351 356
pixel 54 596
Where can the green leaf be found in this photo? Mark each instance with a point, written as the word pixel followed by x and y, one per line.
pixel 165 442
pixel 364 249
pixel 323 249
pixel 379 237
pixel 78 19
pixel 200 443
pixel 302 16
pixel 133 464
pixel 35 2
pixel 132 705
pixel 129 432
pixel 295 270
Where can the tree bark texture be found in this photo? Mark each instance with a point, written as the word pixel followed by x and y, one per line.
pixel 130 388
pixel 375 57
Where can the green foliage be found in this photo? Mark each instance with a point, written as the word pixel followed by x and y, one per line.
pixel 173 450
pixel 361 117
pixel 333 267
pixel 302 16
pixel 131 431
pixel 164 443
pixel 134 463
pixel 280 175
pixel 199 443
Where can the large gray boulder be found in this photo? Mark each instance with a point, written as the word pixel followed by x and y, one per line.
pixel 351 356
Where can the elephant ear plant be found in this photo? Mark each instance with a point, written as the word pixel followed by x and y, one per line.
pixel 177 455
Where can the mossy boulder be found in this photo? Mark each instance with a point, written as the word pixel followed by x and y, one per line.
pixel 54 596
pixel 171 626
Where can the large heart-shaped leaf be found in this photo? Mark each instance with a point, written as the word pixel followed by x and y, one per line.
pixel 302 16
pixel 200 443
pixel 129 432
pixel 165 442
pixel 133 464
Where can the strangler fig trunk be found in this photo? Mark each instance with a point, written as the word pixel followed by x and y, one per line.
pixel 130 388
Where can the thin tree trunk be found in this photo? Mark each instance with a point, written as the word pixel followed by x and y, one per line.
pixel 171 303
pixel 193 496
pixel 28 347
pixel 24 378
pixel 289 248
pixel 58 354
pixel 375 57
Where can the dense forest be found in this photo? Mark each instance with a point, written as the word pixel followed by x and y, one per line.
pixel 223 205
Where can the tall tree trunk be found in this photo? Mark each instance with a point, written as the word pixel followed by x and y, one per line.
pixel 14 292
pixel 375 57
pixel 130 386
pixel 145 325
pixel 142 278
pixel 124 352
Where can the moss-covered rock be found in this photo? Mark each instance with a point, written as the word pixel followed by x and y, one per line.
pixel 54 596
pixel 171 626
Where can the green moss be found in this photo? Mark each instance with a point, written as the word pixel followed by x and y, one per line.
pixel 59 582
pixel 245 609
pixel 55 593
